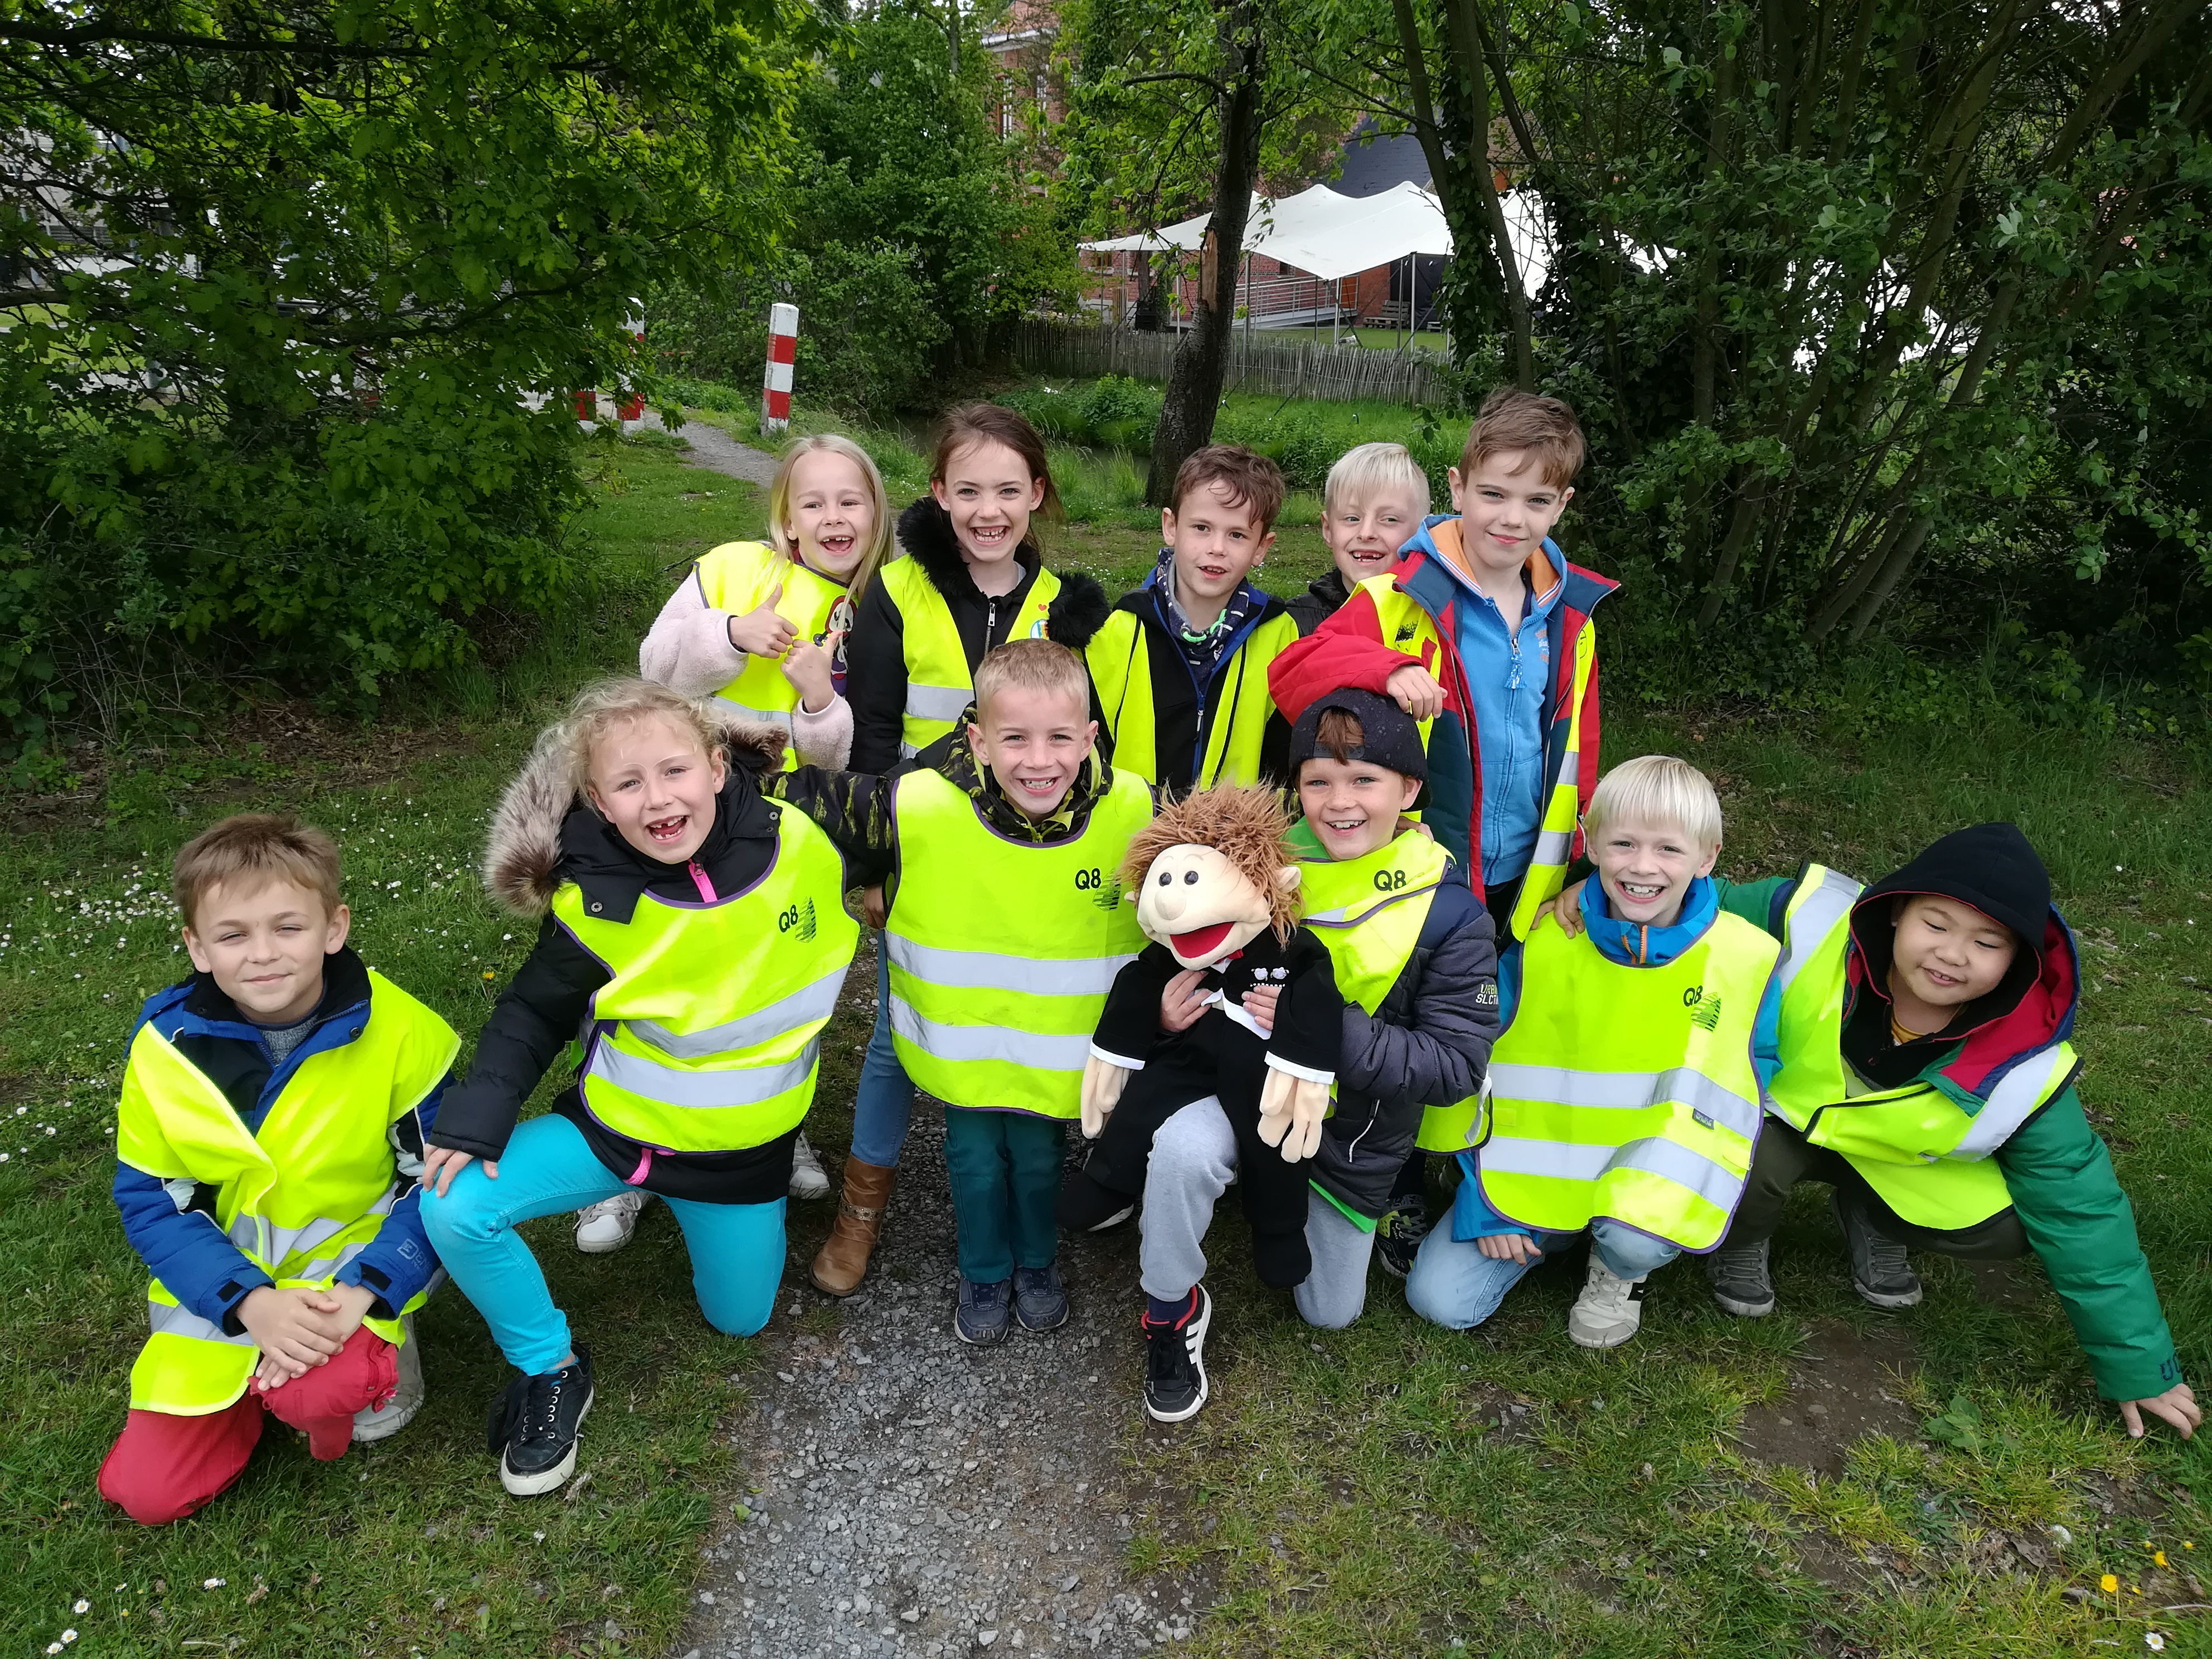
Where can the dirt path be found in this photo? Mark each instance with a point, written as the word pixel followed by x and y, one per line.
pixel 711 447
pixel 908 1495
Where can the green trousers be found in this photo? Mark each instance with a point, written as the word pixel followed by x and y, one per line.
pixel 1005 1171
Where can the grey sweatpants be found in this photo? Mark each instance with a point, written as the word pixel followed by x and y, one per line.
pixel 1193 1160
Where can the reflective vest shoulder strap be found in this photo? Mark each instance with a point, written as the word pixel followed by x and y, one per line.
pixel 2019 1094
pixel 1823 898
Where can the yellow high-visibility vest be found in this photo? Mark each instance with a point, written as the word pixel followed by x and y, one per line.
pixel 1926 1147
pixel 1002 951
pixel 1407 626
pixel 940 681
pixel 1628 1092
pixel 738 577
pixel 299 1199
pixel 1120 665
pixel 1369 912
pixel 707 1038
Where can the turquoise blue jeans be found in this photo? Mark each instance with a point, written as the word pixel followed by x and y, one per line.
pixel 737 1249
pixel 1453 1284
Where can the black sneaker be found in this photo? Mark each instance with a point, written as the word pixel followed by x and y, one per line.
pixel 980 1318
pixel 1879 1272
pixel 534 1423
pixel 1040 1299
pixel 1741 1282
pixel 1174 1362
pixel 1399 1234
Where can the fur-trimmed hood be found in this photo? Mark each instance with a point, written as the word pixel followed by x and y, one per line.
pixel 543 825
pixel 925 530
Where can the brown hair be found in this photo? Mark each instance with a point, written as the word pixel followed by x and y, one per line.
pixel 265 846
pixel 878 548
pixel 1244 822
pixel 1251 479
pixel 1339 732
pixel 605 704
pixel 1033 665
pixel 993 424
pixel 1511 420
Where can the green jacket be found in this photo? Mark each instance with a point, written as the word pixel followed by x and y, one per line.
pixel 2069 1201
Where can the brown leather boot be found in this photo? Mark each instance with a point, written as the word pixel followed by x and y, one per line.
pixel 842 1261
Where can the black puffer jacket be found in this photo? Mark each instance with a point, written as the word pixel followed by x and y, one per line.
pixel 1324 597
pixel 875 656
pixel 1426 1044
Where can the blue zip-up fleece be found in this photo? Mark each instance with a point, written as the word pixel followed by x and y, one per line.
pixel 172 1226
pixel 1509 676
pixel 1632 947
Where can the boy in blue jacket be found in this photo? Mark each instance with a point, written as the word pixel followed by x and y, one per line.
pixel 268 1142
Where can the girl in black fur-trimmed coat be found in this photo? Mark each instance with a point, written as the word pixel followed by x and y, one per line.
pixel 973 578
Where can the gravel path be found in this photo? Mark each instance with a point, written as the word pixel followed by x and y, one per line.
pixel 906 1494
pixel 711 447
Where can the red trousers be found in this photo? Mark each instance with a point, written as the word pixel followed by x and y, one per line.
pixel 163 1466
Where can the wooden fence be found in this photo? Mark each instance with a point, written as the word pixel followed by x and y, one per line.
pixel 1289 369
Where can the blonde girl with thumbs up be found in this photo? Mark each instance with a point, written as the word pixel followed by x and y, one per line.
pixel 761 627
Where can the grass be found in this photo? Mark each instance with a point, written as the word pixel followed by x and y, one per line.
pixel 1370 1491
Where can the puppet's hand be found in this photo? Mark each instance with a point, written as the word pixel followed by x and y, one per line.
pixel 1103 1083
pixel 1290 1112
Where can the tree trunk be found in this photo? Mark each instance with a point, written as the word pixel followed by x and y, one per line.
pixel 1469 40
pixel 1202 360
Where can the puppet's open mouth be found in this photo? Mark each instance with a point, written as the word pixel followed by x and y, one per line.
pixel 1204 942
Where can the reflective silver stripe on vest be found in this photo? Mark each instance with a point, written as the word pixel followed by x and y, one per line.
pixel 183 1322
pixel 1626 1090
pixel 942 703
pixel 2010 1104
pixel 984 970
pixel 810 1005
pixel 269 1246
pixel 735 1086
pixel 1551 846
pixel 1348 915
pixel 1031 1050
pixel 774 716
pixel 1569 1161
pixel 1810 920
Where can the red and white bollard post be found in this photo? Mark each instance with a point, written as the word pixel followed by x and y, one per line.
pixel 782 349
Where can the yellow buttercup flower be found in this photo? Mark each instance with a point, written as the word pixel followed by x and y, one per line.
pixel 2108 1583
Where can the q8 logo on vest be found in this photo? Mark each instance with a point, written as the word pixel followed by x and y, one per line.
pixel 798 919
pixel 1105 890
pixel 1389 881
pixel 1705 1010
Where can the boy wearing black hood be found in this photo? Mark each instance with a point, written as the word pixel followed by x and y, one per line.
pixel 1927 1076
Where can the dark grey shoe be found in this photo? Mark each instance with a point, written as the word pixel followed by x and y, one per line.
pixel 1040 1299
pixel 982 1319
pixel 1879 1272
pixel 1741 1283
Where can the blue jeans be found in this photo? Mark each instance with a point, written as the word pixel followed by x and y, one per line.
pixel 1453 1284
pixel 883 1102
pixel 737 1249
pixel 1004 1168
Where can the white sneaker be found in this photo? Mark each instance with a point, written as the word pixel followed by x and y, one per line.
pixel 807 1180
pixel 1609 1309
pixel 382 1422
pixel 605 1227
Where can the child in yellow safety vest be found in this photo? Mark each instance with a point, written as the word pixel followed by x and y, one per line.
pixel 972 580
pixel 1626 1089
pixel 1373 502
pixel 761 627
pixel 267 1144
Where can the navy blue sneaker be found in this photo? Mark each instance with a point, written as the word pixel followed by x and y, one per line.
pixel 1040 1299
pixel 981 1318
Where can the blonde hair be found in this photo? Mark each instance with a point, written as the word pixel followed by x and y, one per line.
pixel 1031 666
pixel 878 547
pixel 263 847
pixel 605 704
pixel 1660 790
pixel 1366 470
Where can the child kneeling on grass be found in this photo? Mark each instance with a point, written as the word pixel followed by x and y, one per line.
pixel 1627 1086
pixel 1005 932
pixel 267 1144
pixel 696 932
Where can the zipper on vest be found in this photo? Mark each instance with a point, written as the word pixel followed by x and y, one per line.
pixel 699 879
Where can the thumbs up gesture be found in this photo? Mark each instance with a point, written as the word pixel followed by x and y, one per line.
pixel 761 632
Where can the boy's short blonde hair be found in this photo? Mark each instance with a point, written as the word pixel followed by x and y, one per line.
pixel 257 848
pixel 1031 666
pixel 1546 429
pixel 605 704
pixel 878 546
pixel 1656 789
pixel 1366 471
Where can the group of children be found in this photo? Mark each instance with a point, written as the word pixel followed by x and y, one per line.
pixel 1537 975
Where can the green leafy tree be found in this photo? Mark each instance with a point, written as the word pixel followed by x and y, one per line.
pixel 276 282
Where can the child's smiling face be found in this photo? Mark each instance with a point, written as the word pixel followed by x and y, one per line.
pixel 265 943
pixel 831 515
pixel 1364 536
pixel 653 782
pixel 988 494
pixel 1506 508
pixel 1217 540
pixel 1352 806
pixel 1033 742
pixel 1645 869
pixel 1947 953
